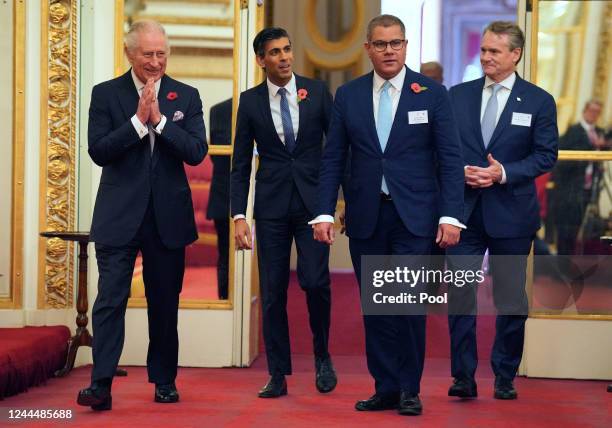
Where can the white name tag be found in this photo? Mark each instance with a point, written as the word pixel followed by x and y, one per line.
pixel 416 117
pixel 521 119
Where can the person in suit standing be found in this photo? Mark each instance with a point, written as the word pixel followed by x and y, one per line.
pixel 508 130
pixel 143 126
pixel 574 179
pixel 395 123
pixel 287 116
pixel 218 199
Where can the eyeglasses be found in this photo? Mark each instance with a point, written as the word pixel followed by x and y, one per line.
pixel 381 45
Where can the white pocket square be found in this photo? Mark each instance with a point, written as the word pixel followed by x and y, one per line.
pixel 178 115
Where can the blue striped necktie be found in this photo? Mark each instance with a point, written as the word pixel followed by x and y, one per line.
pixel 287 123
pixel 487 125
pixel 383 123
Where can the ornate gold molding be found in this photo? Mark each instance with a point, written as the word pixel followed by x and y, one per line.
pixel 58 150
pixel 602 69
pixel 348 38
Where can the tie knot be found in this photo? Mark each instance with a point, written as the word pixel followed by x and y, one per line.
pixel 385 86
pixel 495 87
pixel 282 92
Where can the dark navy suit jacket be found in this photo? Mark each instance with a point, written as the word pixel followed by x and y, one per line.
pixel 278 170
pixel 510 210
pixel 131 175
pixel 422 189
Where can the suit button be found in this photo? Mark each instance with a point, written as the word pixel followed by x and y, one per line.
pixel 292 159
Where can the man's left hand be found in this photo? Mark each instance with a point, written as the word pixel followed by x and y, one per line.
pixel 155 116
pixel 478 177
pixel 448 235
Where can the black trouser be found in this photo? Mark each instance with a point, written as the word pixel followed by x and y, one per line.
pixel 222 228
pixel 274 238
pixel 163 271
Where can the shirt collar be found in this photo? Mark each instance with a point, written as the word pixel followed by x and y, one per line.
pixel 139 85
pixel 397 81
pixel 587 127
pixel 507 83
pixel 290 86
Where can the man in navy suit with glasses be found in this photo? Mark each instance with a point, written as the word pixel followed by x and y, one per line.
pixel 405 191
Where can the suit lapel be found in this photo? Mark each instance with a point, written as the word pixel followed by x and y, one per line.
pixel 369 105
pixel 403 106
pixel 264 106
pixel 301 83
pixel 165 108
pixel 473 109
pixel 128 95
pixel 511 105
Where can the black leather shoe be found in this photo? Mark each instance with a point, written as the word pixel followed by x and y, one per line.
pixel 326 379
pixel 610 388
pixel 463 388
pixel 276 386
pixel 377 402
pixel 166 393
pixel 410 404
pixel 98 398
pixel 504 389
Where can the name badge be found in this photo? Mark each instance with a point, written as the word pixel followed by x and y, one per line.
pixel 521 119
pixel 417 117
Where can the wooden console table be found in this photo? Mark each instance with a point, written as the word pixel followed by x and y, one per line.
pixel 82 337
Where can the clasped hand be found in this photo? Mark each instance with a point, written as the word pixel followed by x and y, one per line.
pixel 148 106
pixel 479 178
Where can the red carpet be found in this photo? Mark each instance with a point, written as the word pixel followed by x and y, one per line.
pixel 227 398
pixel 29 356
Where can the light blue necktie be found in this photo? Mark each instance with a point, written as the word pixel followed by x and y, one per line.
pixel 383 123
pixel 487 125
pixel 287 123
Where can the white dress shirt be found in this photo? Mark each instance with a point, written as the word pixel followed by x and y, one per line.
pixel 397 83
pixel 275 108
pixel 141 128
pixel 502 98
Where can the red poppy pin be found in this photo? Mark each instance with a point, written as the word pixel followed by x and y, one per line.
pixel 302 94
pixel 416 88
pixel 172 96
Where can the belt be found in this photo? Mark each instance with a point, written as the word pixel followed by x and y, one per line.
pixel 385 197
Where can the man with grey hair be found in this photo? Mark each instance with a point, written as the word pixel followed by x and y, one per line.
pixel 143 126
pixel 509 137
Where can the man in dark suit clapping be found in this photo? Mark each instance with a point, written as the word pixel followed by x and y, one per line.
pixel 143 126
pixel 287 116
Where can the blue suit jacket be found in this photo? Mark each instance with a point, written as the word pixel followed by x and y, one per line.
pixel 279 171
pixel 510 210
pixel 422 163
pixel 131 175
